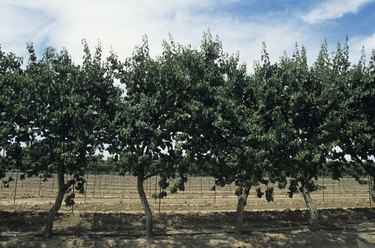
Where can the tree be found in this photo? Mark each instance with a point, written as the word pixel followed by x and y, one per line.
pixel 220 133
pixel 201 138
pixel 14 117
pixel 356 130
pixel 239 155
pixel 146 126
pixel 71 109
pixel 270 128
pixel 308 95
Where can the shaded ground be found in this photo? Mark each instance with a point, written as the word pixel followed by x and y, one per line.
pixel 111 215
pixel 339 228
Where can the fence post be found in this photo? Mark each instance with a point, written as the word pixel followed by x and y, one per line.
pixel 215 195
pixel 159 198
pixel 201 185
pixel 100 179
pixel 124 184
pixel 93 190
pixel 369 190
pixel 87 182
pixel 53 181
pixel 74 184
pixel 40 186
pixel 150 186
pixel 156 185
pixel 189 182
pixel 323 186
pixel 15 188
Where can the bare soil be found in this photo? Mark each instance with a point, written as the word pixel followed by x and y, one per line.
pixel 339 228
pixel 110 215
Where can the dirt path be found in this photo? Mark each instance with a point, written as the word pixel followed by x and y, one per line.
pixel 110 215
pixel 339 228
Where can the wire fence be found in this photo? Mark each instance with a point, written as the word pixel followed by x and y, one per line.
pixel 110 189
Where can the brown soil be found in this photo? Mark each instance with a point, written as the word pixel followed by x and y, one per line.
pixel 339 228
pixel 110 215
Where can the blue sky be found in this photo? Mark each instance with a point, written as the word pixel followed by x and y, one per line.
pixel 241 25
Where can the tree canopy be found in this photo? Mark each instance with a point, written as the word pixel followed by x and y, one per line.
pixel 189 111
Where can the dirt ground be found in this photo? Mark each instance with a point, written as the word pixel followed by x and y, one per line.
pixel 110 215
pixel 339 228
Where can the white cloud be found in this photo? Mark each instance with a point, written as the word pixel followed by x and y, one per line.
pixel 357 43
pixel 121 25
pixel 368 42
pixel 19 25
pixel 332 9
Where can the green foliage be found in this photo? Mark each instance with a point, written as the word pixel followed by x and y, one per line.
pixel 162 194
pixel 238 191
pixel 14 115
pixel 143 127
pixel 69 199
pixel 179 185
pixel 293 187
pixel 356 135
pixel 189 111
pixel 269 194
pixel 259 192
pixel 282 183
pixel 58 113
pixel 296 108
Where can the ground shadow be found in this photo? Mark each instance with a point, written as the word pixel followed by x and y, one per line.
pixel 339 228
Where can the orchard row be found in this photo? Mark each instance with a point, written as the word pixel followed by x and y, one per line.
pixel 186 111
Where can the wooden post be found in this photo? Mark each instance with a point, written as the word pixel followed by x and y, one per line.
pixel 150 186
pixel 93 190
pixel 87 182
pixel 124 184
pixel 74 196
pixel 105 179
pixel 156 185
pixel 40 186
pixel 369 190
pixel 15 188
pixel 100 180
pixel 53 182
pixel 215 196
pixel 159 199
pixel 323 187
pixel 201 185
pixel 189 185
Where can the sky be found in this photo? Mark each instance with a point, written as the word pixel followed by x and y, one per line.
pixel 241 25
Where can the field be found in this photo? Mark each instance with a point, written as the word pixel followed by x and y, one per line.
pixel 110 215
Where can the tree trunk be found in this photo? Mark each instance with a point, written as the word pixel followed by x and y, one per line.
pixel 314 223
pixel 55 208
pixel 146 207
pixel 240 210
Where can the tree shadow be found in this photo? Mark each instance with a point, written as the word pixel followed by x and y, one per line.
pixel 339 228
